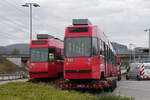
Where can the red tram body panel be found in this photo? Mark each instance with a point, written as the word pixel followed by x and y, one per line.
pixel 88 52
pixel 46 57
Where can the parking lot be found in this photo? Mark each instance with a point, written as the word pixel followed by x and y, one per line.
pixel 140 90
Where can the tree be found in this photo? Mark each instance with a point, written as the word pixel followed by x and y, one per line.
pixel 15 51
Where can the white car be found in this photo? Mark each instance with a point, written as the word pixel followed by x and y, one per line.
pixel 138 71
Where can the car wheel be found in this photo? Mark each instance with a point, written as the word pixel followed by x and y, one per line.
pixel 138 77
pixel 127 78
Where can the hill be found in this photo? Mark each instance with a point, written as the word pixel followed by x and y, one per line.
pixel 23 48
pixel 7 67
pixel 2 50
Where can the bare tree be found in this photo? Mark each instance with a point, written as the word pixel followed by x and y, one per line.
pixel 15 51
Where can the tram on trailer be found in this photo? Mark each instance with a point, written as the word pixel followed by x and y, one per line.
pixel 89 58
pixel 46 57
pixel 88 52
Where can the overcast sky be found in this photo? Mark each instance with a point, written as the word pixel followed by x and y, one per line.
pixel 123 21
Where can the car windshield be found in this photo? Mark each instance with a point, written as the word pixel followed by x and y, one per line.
pixel 78 47
pixel 39 55
pixel 134 69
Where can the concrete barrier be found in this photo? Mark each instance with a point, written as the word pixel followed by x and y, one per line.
pixel 4 77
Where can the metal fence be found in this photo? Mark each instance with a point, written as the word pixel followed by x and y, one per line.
pixel 4 77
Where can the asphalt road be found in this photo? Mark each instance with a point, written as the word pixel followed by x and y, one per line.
pixel 139 90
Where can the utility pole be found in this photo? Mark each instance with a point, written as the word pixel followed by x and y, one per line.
pixel 149 41
pixel 30 5
pixel 132 49
pixel 130 52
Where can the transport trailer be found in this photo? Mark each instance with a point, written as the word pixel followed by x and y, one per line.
pixel 108 84
pixel 46 57
pixel 89 58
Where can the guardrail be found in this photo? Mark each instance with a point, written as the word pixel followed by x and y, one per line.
pixel 4 77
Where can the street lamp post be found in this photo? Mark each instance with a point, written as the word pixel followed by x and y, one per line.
pixel 149 40
pixel 30 5
pixel 130 53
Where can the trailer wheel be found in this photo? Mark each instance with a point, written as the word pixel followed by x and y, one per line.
pixel 65 90
pixel 102 75
pixel 106 89
pixel 119 78
pixel 113 85
pixel 127 78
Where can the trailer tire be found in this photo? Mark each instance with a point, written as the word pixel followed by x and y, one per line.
pixel 102 75
pixel 113 85
pixel 112 88
pixel 106 89
pixel 119 78
pixel 127 78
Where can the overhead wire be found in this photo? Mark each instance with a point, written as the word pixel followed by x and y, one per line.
pixel 13 5
pixel 5 18
pixel 18 25
pixel 13 23
pixel 18 8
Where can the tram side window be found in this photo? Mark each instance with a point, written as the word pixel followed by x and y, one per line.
pixel 105 52
pixel 62 53
pixel 100 46
pixel 51 54
pixel 112 59
pixel 58 54
pixel 102 43
pixel 110 56
pixel 115 60
pixel 95 46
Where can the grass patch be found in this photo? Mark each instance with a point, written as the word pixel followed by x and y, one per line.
pixel 47 91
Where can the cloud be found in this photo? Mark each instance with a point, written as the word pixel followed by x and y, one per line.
pixel 123 21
